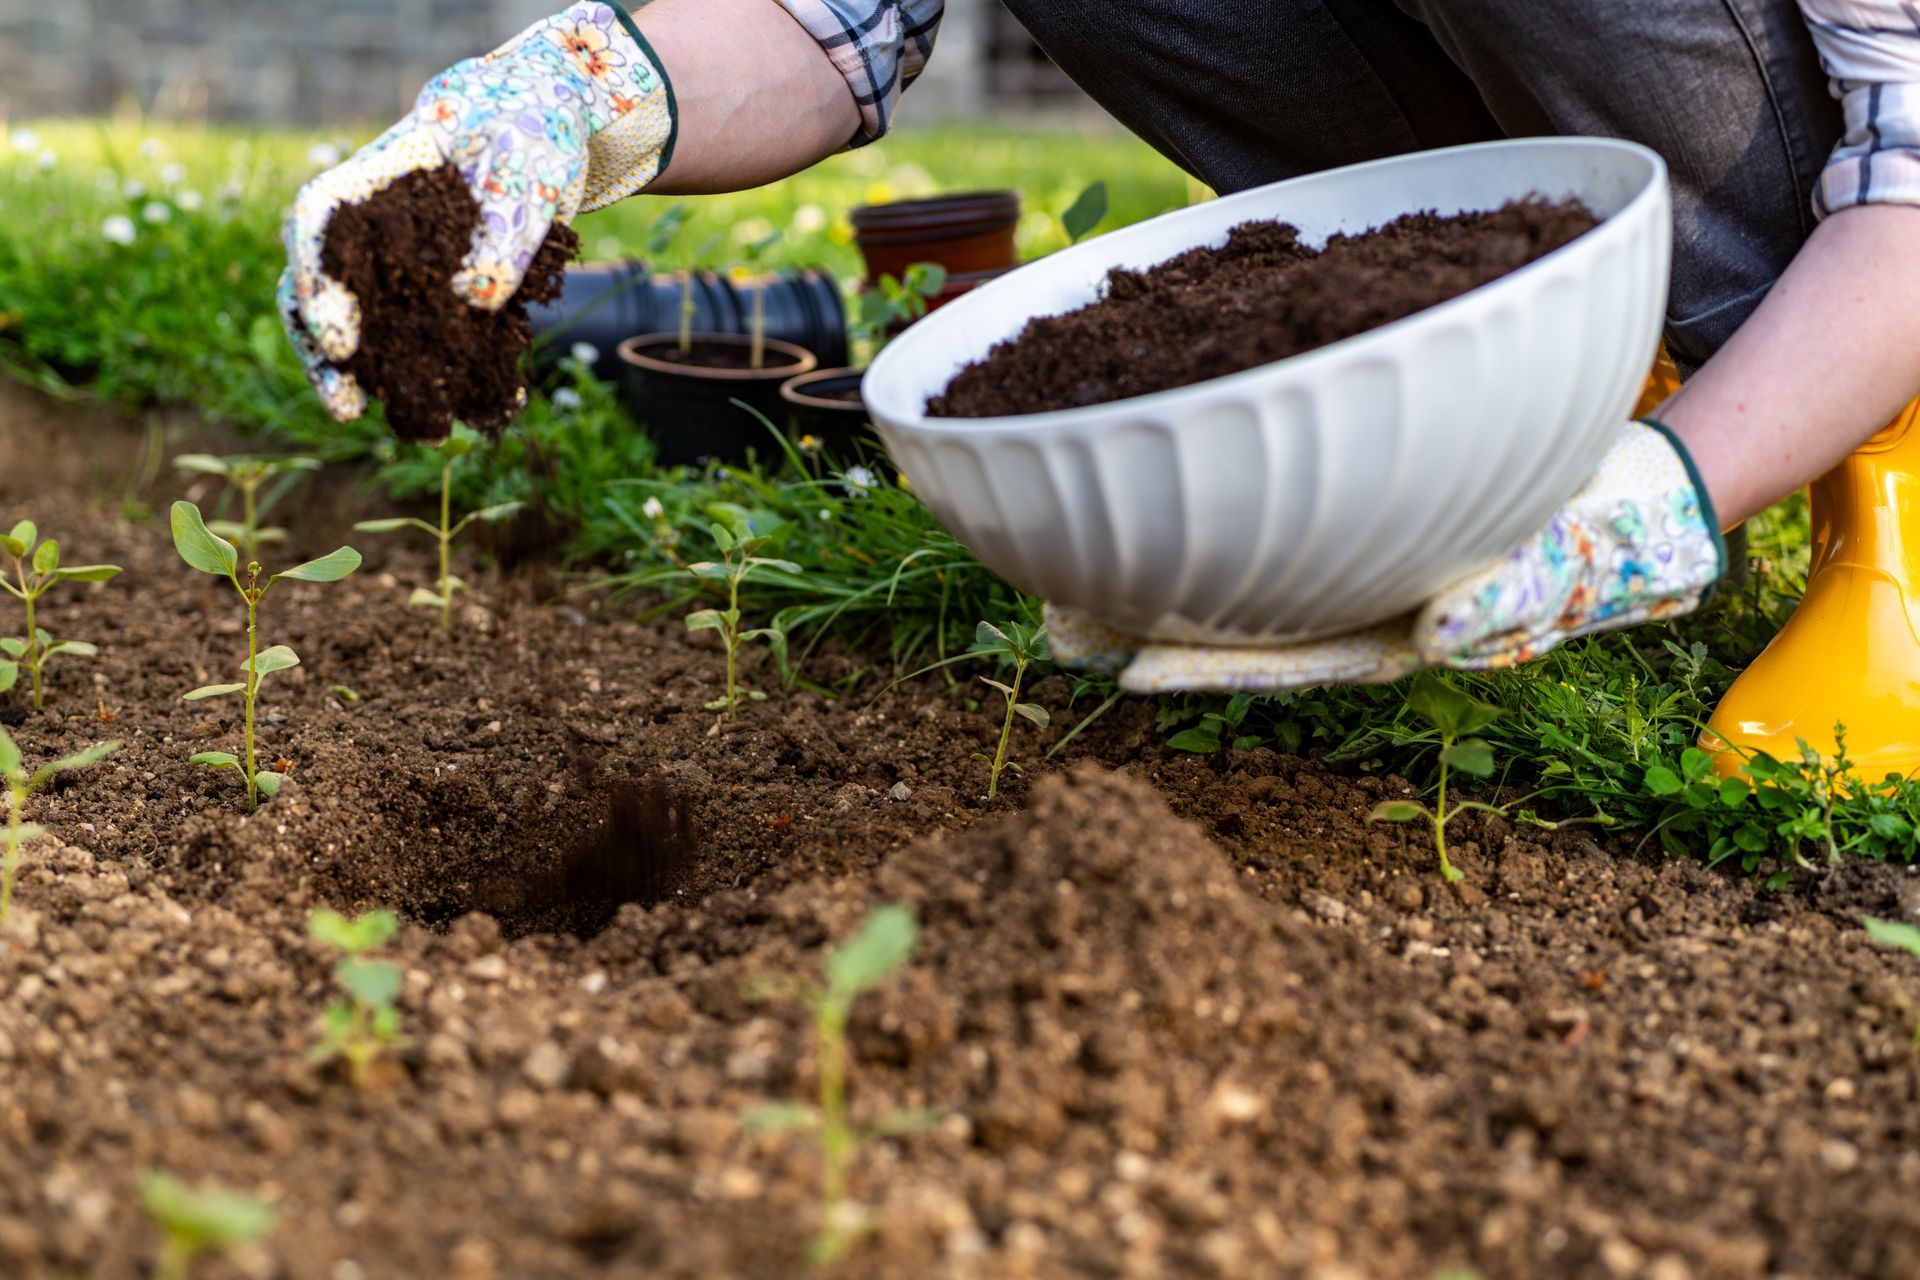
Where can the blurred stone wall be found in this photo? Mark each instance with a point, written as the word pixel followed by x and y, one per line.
pixel 331 61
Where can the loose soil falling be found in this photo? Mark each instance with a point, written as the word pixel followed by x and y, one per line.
pixel 1185 1016
pixel 1261 297
pixel 427 354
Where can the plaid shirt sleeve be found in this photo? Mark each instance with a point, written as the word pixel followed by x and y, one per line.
pixel 878 45
pixel 1871 51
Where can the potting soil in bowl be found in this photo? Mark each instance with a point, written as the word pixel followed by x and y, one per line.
pixel 425 352
pixel 1261 297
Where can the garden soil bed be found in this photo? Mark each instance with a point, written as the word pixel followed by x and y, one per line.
pixel 1261 297
pixel 1184 1015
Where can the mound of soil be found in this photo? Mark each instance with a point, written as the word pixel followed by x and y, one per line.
pixel 1262 297
pixel 1183 1015
pixel 425 353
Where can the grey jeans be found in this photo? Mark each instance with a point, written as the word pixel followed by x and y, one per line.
pixel 1730 92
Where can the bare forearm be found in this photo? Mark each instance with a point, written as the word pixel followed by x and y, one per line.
pixel 1826 360
pixel 758 98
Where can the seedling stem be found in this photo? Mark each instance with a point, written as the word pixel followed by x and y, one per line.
pixel 451 450
pixel 36 570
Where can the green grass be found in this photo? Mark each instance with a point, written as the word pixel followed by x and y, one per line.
pixel 1600 731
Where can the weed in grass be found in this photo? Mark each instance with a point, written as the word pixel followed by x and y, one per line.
pixel 883 946
pixel 449 451
pixel 1456 718
pixel 1023 646
pixel 209 1220
pixel 21 784
pixel 37 570
pixel 736 564
pixel 1896 933
pixel 247 474
pixel 209 553
pixel 365 1025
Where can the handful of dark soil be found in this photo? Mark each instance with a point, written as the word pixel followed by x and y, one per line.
pixel 1262 297
pixel 427 354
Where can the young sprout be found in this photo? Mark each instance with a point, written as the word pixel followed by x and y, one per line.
pixel 211 1219
pixel 21 784
pixel 249 473
pixel 1456 718
pixel 881 949
pixel 362 1027
pixel 1087 211
pixel 1023 646
pixel 899 302
pixel 737 563
pixel 752 255
pixel 660 241
pixel 451 450
pixel 37 570
pixel 206 551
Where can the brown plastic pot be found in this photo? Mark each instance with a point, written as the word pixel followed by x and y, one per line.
pixel 826 405
pixel 965 233
pixel 689 409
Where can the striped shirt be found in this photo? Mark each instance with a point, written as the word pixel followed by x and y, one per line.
pixel 1870 49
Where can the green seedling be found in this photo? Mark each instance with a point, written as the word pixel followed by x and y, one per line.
pixel 1088 211
pixel 365 1025
pixel 1023 646
pixel 37 570
pixel 248 474
pixel 752 255
pixel 210 553
pixel 737 563
pixel 881 949
pixel 210 1220
pixel 1456 718
pixel 897 302
pixel 1896 933
pixel 661 240
pixel 21 784
pixel 455 447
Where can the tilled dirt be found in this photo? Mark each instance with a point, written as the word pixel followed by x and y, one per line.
pixel 1183 1015
pixel 1261 297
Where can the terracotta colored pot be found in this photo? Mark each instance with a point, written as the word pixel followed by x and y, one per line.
pixel 689 409
pixel 963 233
pixel 826 405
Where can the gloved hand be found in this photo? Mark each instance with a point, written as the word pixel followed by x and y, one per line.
pixel 570 115
pixel 1639 542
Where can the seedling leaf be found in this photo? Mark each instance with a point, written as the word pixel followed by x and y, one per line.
pixel 362 933
pixel 12 646
pixel 1203 741
pixel 497 512
pixel 423 597
pixel 201 464
pixel 780 1117
pixel 706 620
pixel 278 658
pixel 1086 212
pixel 78 648
pixel 269 782
pixel 1396 811
pixel 207 1219
pixel 912 1120
pixel 46 558
pixel 24 535
pixel 9 753
pixel 1893 933
pixel 373 982
pixel 9 673
pixel 198 545
pixel 331 567
pixel 883 944
pixel 215 759
pixel 80 759
pixel 87 573
pixel 1472 756
pixel 392 523
pixel 1034 712
pixel 213 691
pixel 454 446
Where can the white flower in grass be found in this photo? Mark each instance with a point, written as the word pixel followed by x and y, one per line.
pixel 45 161
pixel 586 353
pixel 25 140
pixel 566 399
pixel 173 175
pixel 190 201
pixel 156 212
pixel 118 229
pixel 134 189
pixel 152 149
pixel 809 219
pixel 323 155
pixel 859 480
pixel 654 509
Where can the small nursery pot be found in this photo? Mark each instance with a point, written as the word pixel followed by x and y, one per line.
pixel 826 405
pixel 963 233
pixel 688 408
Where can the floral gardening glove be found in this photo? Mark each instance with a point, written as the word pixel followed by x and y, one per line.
pixel 1638 543
pixel 568 116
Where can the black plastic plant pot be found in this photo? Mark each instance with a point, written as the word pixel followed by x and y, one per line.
pixel 688 404
pixel 826 405
pixel 604 303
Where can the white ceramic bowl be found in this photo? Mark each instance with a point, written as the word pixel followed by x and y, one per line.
pixel 1329 491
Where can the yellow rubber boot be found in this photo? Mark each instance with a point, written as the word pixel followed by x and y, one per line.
pixel 1851 652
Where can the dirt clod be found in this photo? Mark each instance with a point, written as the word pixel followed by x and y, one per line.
pixel 1261 297
pixel 425 353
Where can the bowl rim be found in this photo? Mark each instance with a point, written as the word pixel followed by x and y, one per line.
pixel 920 423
